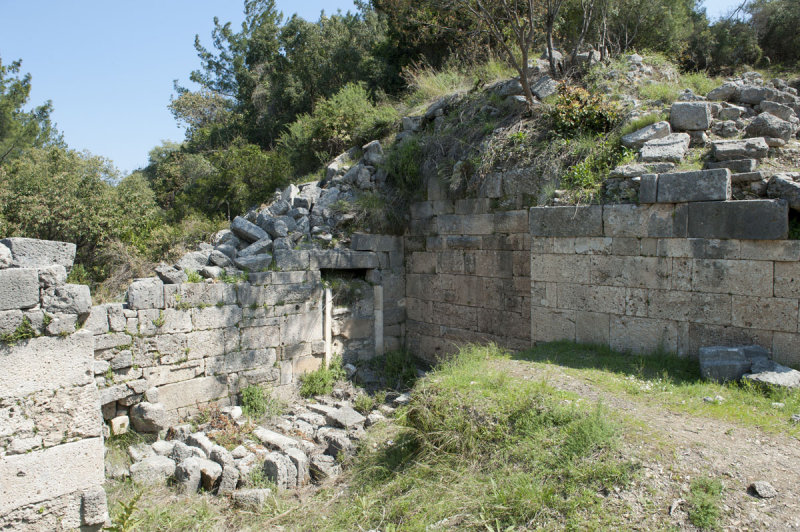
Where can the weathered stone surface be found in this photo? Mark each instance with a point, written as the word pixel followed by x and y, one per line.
pixel 784 112
pixel 656 221
pixel 146 293
pixel 253 499
pixel 149 417
pixel 763 490
pixel 640 169
pixel 152 470
pixel 544 87
pixel 256 248
pixel 5 256
pixel 274 440
pixel 247 231
pixel 323 467
pixel 671 148
pixel 292 260
pixel 228 480
pixel 724 276
pixel 726 92
pixel 653 131
pixel 736 166
pixel 254 263
pixel 344 417
pixel 690 116
pixel 774 374
pixel 340 259
pixel 19 288
pixel 336 440
pixel 721 364
pixel 748 220
pixel 94 507
pixel 33 253
pixel 67 299
pixel 726 150
pixel 201 441
pixel 279 469
pixel 648 188
pixel 769 125
pixel 783 186
pixel 191 392
pixel 702 185
pixel 567 221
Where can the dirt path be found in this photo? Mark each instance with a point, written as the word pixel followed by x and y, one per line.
pixel 680 446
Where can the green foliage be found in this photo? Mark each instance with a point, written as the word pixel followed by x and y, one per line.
pixel 364 403
pixel 641 122
pixel 704 500
pixel 398 368
pixel 258 402
pixel 576 111
pixel 402 165
pixel 193 277
pixel 587 176
pixel 348 118
pixel 321 381
pixel 24 331
pixel 776 23
pixel 123 518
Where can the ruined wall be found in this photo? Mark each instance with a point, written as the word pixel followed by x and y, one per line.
pixel 467 275
pixel 51 444
pixel 667 276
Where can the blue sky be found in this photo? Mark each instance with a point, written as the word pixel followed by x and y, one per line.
pixel 108 65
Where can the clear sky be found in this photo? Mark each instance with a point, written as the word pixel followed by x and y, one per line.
pixel 108 65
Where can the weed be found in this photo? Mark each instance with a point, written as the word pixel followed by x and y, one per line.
pixel 402 165
pixel 109 376
pixel 258 479
pixel 704 498
pixel 161 320
pixel 24 331
pixel 123 519
pixel 193 277
pixel 643 121
pixel 364 403
pixel 321 381
pixel 258 402
pixel 399 368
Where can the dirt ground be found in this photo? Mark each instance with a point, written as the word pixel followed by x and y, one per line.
pixel 679 447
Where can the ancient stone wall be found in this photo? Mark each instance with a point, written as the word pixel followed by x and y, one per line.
pixel 667 276
pixel 51 444
pixel 467 275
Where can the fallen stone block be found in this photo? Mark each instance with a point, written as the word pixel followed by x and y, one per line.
pixel 774 374
pixel 274 440
pixel 323 467
pixel 783 186
pixel 344 417
pixel 247 231
pixel 279 469
pixel 746 220
pixel 640 169
pixel 736 166
pixel 702 185
pixel 770 126
pixel 253 499
pixel 726 150
pixel 653 131
pixel 152 470
pixel 671 148
pixel 723 364
pixel 149 418
pixel 690 116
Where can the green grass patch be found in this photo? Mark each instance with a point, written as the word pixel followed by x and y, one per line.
pixel 643 121
pixel 705 495
pixel 479 449
pixel 321 381
pixel 258 402
pixel 24 331
pixel 673 382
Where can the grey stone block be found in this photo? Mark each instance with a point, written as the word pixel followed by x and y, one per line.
pixel 246 230
pixel 727 150
pixel 146 293
pixel 723 364
pixel 254 263
pixel 19 288
pixel 567 221
pixel 292 260
pixel 651 132
pixel 702 185
pixel 648 188
pixel 149 417
pixel 746 220
pixel 736 166
pixel 690 116
pixel 67 299
pixel 748 177
pixel 32 253
pixel 343 260
pixel 671 148
pixel 769 125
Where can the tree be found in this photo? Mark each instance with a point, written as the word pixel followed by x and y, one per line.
pixel 20 129
pixel 776 24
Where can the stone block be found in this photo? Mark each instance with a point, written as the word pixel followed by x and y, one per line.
pixel 291 259
pixel 301 328
pixel 643 335
pixel 690 116
pixel 777 250
pixel 631 272
pixel 701 185
pixel 787 279
pixel 689 306
pixel 728 150
pixel 216 317
pixel 10 320
pixel 749 220
pixel 566 221
pixel 146 294
pixel 336 259
pixel 97 322
pixel 511 222
pixel 254 263
pixel 648 188
pixel 722 364
pixel 671 148
pixel 67 299
pixel 736 166
pixel 592 328
pixel 261 337
pixel 47 474
pixel 550 325
pixel 247 231
pixel 306 364
pixel 657 221
pixel 592 298
pixel 19 288
pixel 769 313
pixel 702 335
pixel 457 224
pixel 561 268
pixel 784 349
pixel 33 253
pixel 192 392
pixel 653 131
pixel 739 277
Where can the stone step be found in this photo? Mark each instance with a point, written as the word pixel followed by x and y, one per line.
pixel 736 166
pixel 701 185
pixel 746 220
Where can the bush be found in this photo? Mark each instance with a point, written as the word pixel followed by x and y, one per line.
pixel 349 118
pixel 321 381
pixel 258 402
pixel 402 165
pixel 704 498
pixel 576 111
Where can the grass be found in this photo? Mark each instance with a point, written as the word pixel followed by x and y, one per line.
pixel 643 121
pixel 668 92
pixel 321 381
pixel 704 499
pixel 24 331
pixel 258 402
pixel 674 383
pixel 398 368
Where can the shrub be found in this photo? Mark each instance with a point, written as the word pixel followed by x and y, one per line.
pixel 321 381
pixel 576 111
pixel 193 277
pixel 402 165
pixel 258 402
pixel 349 118
pixel 704 498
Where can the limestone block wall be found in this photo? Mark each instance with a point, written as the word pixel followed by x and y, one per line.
pixel 669 276
pixel 467 276
pixel 51 443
